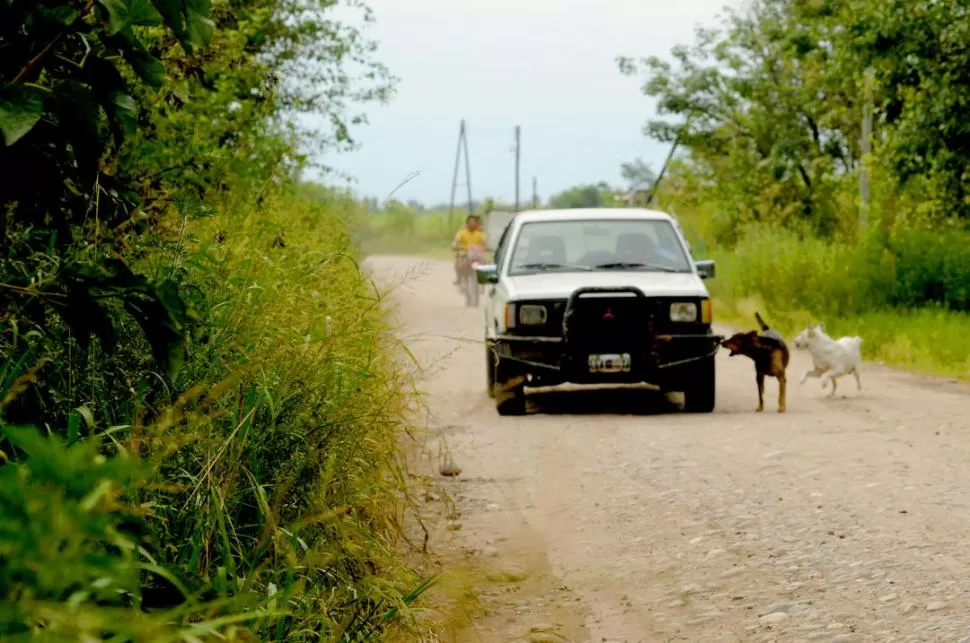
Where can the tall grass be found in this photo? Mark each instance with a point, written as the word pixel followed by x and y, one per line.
pixel 401 230
pixel 259 494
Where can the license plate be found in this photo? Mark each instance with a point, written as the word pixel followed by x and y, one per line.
pixel 609 363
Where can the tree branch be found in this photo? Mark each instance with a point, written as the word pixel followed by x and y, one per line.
pixel 33 62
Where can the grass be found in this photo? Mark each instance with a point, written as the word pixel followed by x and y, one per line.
pixel 400 230
pixel 906 291
pixel 261 493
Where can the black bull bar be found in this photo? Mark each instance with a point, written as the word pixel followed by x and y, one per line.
pixel 656 341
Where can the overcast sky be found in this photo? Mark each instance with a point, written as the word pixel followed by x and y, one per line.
pixel 547 65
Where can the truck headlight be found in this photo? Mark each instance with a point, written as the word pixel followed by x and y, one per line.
pixel 532 315
pixel 684 312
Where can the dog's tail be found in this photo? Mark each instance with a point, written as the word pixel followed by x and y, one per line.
pixel 761 322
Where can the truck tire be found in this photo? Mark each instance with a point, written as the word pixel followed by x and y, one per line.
pixel 700 387
pixel 509 388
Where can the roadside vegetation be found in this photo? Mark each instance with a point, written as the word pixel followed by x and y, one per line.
pixel 201 406
pixel 398 228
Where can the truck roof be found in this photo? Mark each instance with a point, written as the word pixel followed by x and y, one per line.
pixel 583 214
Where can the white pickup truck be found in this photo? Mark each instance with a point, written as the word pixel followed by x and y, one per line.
pixel 593 296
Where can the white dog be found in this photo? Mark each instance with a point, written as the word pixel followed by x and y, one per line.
pixel 831 359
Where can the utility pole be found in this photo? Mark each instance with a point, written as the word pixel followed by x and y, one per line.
pixel 468 170
pixel 462 144
pixel 518 131
pixel 535 194
pixel 865 145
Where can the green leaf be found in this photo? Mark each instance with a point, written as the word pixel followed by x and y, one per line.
pixel 74 423
pixel 76 110
pixel 125 13
pixel 144 14
pixel 148 68
pixel 158 308
pixel 189 20
pixel 61 15
pixel 82 312
pixel 161 314
pixel 171 12
pixel 117 11
pixel 201 29
pixel 20 109
pixel 124 113
pixel 29 440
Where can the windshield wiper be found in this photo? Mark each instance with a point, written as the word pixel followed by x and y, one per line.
pixel 619 265
pixel 552 266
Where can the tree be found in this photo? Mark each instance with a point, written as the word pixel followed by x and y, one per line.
pixel 638 174
pixel 763 106
pixel 112 111
pixel 69 78
pixel 922 90
pixel 769 105
pixel 592 195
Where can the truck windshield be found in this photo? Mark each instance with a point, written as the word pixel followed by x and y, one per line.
pixel 598 245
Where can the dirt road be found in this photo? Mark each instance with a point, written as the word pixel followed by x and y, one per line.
pixel 614 518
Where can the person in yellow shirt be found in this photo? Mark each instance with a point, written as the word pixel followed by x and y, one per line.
pixel 468 236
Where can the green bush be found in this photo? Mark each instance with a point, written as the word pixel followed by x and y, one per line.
pixel 909 268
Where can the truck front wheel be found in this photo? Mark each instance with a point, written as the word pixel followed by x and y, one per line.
pixel 700 386
pixel 509 388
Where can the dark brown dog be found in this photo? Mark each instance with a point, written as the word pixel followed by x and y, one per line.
pixel 770 355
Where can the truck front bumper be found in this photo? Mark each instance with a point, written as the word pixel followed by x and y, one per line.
pixel 662 360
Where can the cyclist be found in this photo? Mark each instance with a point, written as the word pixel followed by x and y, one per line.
pixel 470 235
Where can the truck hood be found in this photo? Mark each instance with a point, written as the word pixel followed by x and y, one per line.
pixel 559 285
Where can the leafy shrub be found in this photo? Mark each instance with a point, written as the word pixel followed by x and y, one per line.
pixel 909 268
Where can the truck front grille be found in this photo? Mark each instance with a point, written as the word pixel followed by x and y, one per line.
pixel 614 324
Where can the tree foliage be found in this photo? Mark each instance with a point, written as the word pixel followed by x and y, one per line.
pixel 592 195
pixel 121 121
pixel 114 111
pixel 770 105
pixel 638 174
